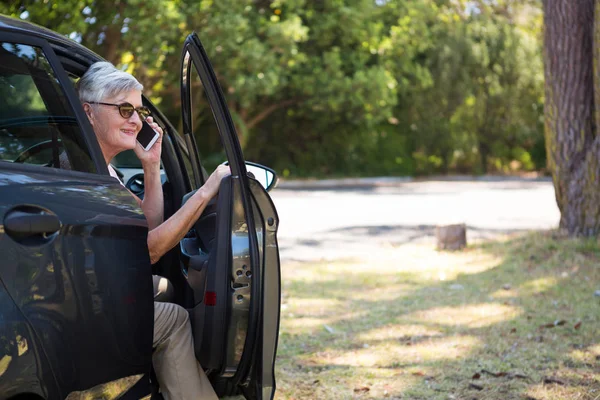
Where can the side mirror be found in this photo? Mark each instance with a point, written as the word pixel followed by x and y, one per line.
pixel 264 175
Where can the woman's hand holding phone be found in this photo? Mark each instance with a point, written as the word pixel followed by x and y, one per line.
pixel 149 140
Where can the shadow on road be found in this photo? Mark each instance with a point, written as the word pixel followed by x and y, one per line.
pixel 395 235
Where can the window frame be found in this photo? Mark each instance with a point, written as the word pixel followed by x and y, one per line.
pixel 175 148
pixel 68 90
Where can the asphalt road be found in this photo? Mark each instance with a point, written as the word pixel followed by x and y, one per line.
pixel 332 223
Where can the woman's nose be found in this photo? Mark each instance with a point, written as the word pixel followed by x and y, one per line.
pixel 136 118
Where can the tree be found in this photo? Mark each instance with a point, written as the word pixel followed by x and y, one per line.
pixel 470 79
pixel 572 88
pixel 335 87
pixel 129 33
pixel 300 55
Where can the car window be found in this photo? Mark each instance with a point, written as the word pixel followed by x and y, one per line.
pixel 37 124
pixel 126 159
pixel 187 161
pixel 204 125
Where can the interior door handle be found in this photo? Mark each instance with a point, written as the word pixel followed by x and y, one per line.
pixel 21 224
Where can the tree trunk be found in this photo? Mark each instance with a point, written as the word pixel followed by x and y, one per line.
pixel 451 237
pixel 571 72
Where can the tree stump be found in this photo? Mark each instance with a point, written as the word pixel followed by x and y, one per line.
pixel 451 237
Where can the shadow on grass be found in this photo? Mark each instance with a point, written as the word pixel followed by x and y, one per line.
pixel 374 331
pixel 395 235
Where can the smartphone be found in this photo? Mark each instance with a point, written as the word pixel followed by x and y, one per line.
pixel 147 136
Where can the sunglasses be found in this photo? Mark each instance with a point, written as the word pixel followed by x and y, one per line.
pixel 127 109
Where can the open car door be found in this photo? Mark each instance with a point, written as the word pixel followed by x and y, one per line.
pixel 231 257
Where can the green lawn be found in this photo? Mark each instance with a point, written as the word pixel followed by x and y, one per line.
pixel 511 319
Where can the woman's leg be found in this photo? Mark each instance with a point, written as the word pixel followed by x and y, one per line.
pixel 178 372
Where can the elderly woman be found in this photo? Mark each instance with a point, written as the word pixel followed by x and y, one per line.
pixel 112 100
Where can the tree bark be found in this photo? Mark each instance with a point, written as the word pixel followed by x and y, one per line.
pixel 571 73
pixel 451 237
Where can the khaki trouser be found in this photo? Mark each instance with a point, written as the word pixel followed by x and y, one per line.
pixel 179 374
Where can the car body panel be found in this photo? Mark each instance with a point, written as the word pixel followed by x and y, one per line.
pixel 32 30
pixel 22 360
pixel 92 277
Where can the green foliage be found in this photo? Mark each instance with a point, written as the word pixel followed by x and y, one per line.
pixel 335 87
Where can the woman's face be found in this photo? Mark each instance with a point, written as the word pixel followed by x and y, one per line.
pixel 115 133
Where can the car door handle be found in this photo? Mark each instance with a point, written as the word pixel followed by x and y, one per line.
pixel 22 224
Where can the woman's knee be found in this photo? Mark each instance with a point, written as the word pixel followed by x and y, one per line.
pixel 180 315
pixel 169 316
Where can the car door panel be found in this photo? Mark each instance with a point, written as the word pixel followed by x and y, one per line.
pixel 207 260
pixel 246 252
pixel 86 290
pixel 22 360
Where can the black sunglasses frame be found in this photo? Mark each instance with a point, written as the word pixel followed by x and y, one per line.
pixel 130 109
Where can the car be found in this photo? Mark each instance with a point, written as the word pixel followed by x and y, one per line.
pixel 76 301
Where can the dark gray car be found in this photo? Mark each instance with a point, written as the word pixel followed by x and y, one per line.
pixel 76 306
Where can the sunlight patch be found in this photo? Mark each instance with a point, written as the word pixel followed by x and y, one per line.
pixel 595 350
pixel 386 293
pixel 505 294
pixel 304 274
pixel 397 355
pixel 590 355
pixel 538 285
pixel 438 266
pixel 472 316
pixel 4 363
pixel 573 387
pixel 303 325
pixel 583 356
pixel 438 348
pixel 398 332
pixel 313 307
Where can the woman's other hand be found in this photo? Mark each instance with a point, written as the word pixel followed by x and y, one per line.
pixel 211 187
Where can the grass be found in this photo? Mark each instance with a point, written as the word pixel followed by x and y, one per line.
pixel 511 319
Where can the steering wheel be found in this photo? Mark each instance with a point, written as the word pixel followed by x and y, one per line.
pixel 136 185
pixel 33 150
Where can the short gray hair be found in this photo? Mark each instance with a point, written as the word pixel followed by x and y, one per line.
pixel 102 80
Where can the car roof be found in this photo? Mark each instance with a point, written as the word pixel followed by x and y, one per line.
pixel 60 43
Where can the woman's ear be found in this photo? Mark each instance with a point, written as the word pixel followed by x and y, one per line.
pixel 89 112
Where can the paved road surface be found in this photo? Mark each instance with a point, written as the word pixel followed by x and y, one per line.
pixel 345 223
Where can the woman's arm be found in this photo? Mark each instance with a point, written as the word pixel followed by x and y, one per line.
pixel 168 234
pixel 153 203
